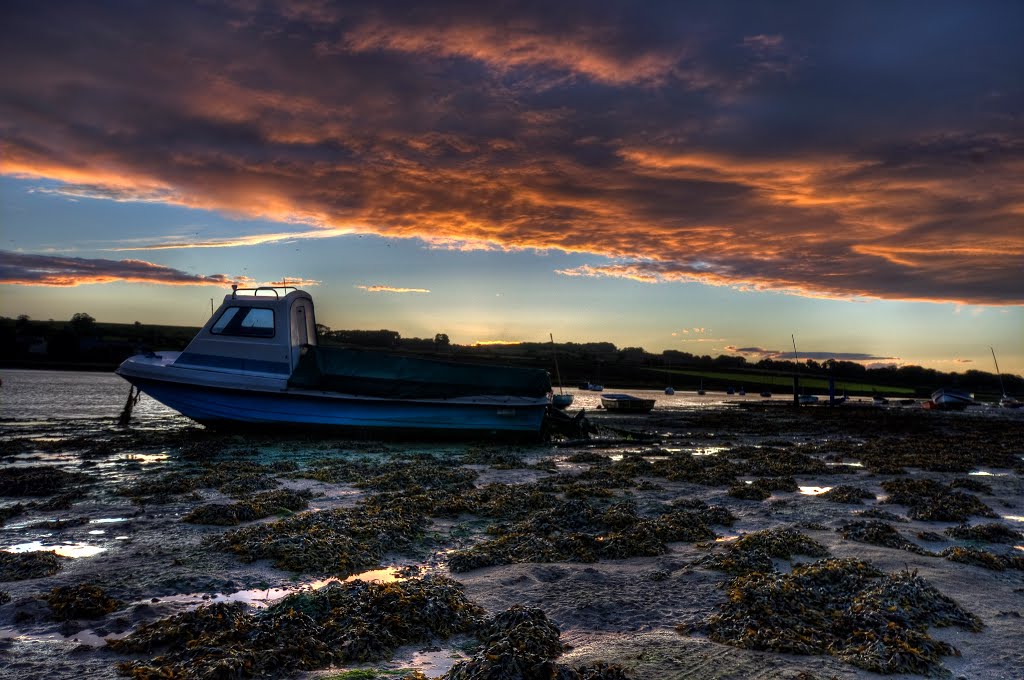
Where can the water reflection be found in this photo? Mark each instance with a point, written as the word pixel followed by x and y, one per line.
pixel 62 549
pixel 814 490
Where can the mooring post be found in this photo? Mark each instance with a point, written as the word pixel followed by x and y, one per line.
pixel 133 398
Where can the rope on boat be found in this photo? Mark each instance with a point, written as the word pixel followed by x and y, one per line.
pixel 133 399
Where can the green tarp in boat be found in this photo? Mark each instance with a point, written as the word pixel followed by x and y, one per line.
pixel 392 376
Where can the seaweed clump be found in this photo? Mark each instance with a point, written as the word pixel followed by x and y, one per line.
pixel 521 642
pixel 753 552
pixel 844 493
pixel 38 480
pixel 259 506
pixel 341 623
pixel 845 608
pixel 339 542
pixel 880 533
pixel 81 602
pixel 983 558
pixel 578 531
pixel 990 533
pixel 35 564
pixel 760 489
pixel 929 500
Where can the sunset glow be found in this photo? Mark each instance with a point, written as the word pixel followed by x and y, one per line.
pixel 508 171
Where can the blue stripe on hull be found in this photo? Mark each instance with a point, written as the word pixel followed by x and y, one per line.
pixel 213 405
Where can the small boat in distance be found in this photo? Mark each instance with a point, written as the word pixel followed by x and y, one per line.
pixel 257 362
pixel 700 390
pixel 807 399
pixel 766 395
pixel 742 392
pixel 626 403
pixel 730 390
pixel 670 390
pixel 951 399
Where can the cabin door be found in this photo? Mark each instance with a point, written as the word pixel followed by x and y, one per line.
pixel 303 329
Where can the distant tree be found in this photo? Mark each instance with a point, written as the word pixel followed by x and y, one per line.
pixel 441 340
pixel 23 322
pixel 82 323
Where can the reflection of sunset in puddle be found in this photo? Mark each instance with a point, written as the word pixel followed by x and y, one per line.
pixel 725 539
pixel 986 473
pixel 263 597
pixel 1014 518
pixel 814 490
pixel 146 457
pixel 62 549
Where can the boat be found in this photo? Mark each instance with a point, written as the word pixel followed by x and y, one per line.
pixel 257 362
pixel 626 403
pixel 670 391
pixel 742 392
pixel 730 390
pixel 700 390
pixel 879 400
pixel 766 395
pixel 561 400
pixel 595 388
pixel 807 399
pixel 951 399
pixel 1006 401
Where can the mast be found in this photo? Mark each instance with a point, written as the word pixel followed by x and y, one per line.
pixel 1001 388
pixel 554 353
pixel 796 376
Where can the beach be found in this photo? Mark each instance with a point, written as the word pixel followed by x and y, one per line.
pixel 677 544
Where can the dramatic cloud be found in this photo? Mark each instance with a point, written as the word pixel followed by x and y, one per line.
pixel 756 148
pixel 45 270
pixel 392 289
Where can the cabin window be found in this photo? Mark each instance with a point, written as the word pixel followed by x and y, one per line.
pixel 254 322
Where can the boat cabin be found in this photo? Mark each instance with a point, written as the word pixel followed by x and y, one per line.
pixel 255 330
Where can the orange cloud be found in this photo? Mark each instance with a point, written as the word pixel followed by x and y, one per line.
pixel 45 270
pixel 392 289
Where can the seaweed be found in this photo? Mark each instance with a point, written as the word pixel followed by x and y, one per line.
pixel 880 533
pixel 929 500
pixel 844 493
pixel 27 565
pixel 990 533
pixel 260 506
pixel 753 552
pixel 83 601
pixel 39 480
pixel 845 608
pixel 983 558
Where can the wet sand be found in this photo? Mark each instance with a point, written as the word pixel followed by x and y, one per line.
pixel 118 517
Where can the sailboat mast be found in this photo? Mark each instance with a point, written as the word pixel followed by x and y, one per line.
pixel 996 362
pixel 554 353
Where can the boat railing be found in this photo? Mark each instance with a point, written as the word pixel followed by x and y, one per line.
pixel 266 290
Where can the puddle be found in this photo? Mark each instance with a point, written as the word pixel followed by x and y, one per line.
pixel 1018 547
pixel 854 464
pixel 97 532
pixel 435 664
pixel 108 520
pixel 62 549
pixel 264 597
pixel 814 490
pixel 725 539
pixel 82 637
pixel 986 473
pixel 1014 518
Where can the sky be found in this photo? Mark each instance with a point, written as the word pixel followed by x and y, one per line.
pixel 715 178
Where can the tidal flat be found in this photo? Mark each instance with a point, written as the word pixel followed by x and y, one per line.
pixel 712 538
